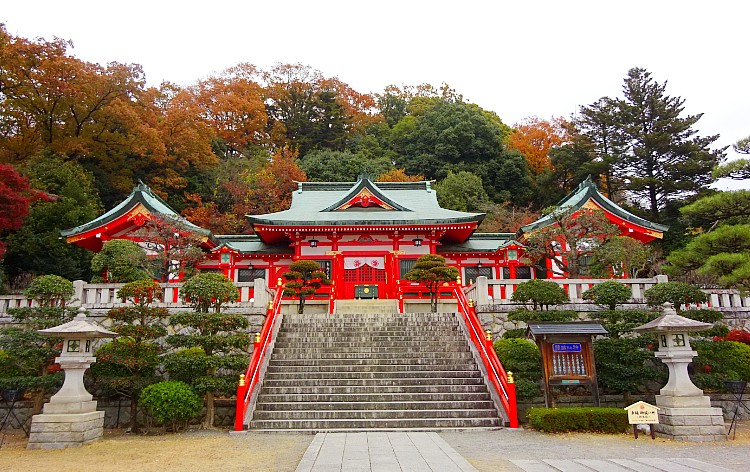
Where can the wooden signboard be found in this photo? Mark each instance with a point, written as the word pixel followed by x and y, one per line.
pixel 567 355
pixel 642 413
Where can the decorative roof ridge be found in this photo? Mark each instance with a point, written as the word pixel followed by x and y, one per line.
pixel 361 185
pixel 339 186
pixel 492 235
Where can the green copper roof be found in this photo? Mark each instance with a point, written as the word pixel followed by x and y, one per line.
pixel 480 242
pixel 140 194
pixel 587 190
pixel 250 244
pixel 316 203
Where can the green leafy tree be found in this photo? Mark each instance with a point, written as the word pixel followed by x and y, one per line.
pixel 30 356
pixel 678 294
pixel 571 236
pixel 624 365
pixel 120 261
pixel 172 402
pixel 664 159
pixel 608 294
pixel 719 361
pixel 521 357
pixel 541 294
pixel 619 323
pixel 304 278
pixel 217 335
pixel 619 256
pixel 720 208
pixel 342 166
pixel 462 191
pixel 431 271
pixel 127 365
pixel 738 169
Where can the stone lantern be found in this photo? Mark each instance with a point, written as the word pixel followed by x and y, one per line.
pixel 685 413
pixel 70 418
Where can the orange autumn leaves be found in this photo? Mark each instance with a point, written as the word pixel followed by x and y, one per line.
pixel 534 138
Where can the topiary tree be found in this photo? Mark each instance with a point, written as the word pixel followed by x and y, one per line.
pixel 30 356
pixel 431 271
pixel 304 278
pixel 170 402
pixel 521 357
pixel 128 364
pixel 678 294
pixel 541 293
pixel 120 261
pixel 221 346
pixel 50 291
pixel 608 294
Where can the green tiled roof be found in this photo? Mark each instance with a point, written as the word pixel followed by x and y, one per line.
pixel 250 244
pixel 480 242
pixel 587 190
pixel 140 194
pixel 315 203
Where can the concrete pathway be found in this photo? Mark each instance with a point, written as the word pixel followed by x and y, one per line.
pixel 382 451
pixel 641 464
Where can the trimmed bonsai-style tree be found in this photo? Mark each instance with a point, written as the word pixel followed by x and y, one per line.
pixel 431 271
pixel 608 294
pixel 304 278
pixel 216 345
pixel 120 261
pixel 678 294
pixel 170 402
pixel 30 357
pixel 541 294
pixel 127 365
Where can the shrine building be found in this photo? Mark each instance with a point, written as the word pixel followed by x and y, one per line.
pixel 365 235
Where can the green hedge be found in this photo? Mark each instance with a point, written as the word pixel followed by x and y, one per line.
pixel 557 420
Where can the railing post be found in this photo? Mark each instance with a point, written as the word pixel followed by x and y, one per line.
pixel 239 415
pixel 78 290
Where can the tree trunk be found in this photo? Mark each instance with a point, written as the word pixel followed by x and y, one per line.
pixel 301 306
pixel 208 420
pixel 134 415
pixel 433 302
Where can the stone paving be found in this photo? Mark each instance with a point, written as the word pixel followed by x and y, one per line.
pixel 382 451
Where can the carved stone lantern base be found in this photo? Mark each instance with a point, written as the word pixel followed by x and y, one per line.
pixel 689 419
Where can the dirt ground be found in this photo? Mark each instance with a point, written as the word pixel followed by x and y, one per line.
pixel 281 452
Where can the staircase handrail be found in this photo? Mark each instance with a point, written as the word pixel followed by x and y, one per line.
pixel 252 374
pixel 495 372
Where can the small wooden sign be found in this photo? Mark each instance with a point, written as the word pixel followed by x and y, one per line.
pixel 642 413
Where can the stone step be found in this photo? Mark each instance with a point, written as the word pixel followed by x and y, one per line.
pixel 388 368
pixel 373 397
pixel 339 338
pixel 363 414
pixel 377 423
pixel 358 382
pixel 353 351
pixel 435 359
pixel 371 389
pixel 296 318
pixel 427 375
pixel 385 330
pixel 395 406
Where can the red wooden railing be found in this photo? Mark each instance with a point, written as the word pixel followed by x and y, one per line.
pixel 496 374
pixel 250 380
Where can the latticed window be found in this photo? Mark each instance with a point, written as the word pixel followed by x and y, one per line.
pixel 523 272
pixel 249 275
pixel 350 275
pixel 472 272
pixel 406 266
pixel 325 266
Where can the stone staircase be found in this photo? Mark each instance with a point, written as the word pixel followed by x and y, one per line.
pixel 344 372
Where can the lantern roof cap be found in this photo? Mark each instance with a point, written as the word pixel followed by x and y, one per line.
pixel 671 321
pixel 79 325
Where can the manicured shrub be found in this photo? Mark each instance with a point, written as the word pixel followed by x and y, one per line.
pixel 170 402
pixel 50 290
pixel 718 361
pixel 514 333
pixel 521 357
pixel 541 294
pixel 557 420
pixel 527 316
pixel 120 261
pixel 621 322
pixel 625 365
pixel 608 294
pixel 678 294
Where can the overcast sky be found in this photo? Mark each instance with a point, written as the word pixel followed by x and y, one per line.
pixel 518 59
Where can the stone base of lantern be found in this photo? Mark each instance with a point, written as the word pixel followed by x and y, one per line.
pixel 66 425
pixel 689 418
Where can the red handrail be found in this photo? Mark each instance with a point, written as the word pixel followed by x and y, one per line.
pixel 495 372
pixel 252 375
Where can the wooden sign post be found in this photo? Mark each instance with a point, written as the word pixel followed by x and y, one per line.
pixel 642 413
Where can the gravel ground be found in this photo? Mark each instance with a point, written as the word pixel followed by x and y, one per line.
pixel 491 450
pixel 280 452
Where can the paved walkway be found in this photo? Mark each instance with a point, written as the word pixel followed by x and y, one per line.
pixel 641 464
pixel 381 451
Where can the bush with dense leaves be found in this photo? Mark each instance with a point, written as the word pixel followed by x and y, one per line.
pixel 608 294
pixel 50 290
pixel 521 357
pixel 170 402
pixel 625 365
pixel 209 292
pixel 736 335
pixel 527 316
pixel 678 294
pixel 541 294
pixel 621 322
pixel 557 420
pixel 718 361
pixel 120 261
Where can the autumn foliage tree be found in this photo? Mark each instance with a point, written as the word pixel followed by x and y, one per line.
pixel 304 278
pixel 535 137
pixel 15 197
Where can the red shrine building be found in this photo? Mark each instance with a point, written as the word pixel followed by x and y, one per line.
pixel 366 235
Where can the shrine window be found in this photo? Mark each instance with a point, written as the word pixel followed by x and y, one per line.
pixel 523 272
pixel 472 272
pixel 406 266
pixel 325 266
pixel 249 275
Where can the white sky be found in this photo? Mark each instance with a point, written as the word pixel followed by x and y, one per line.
pixel 518 59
